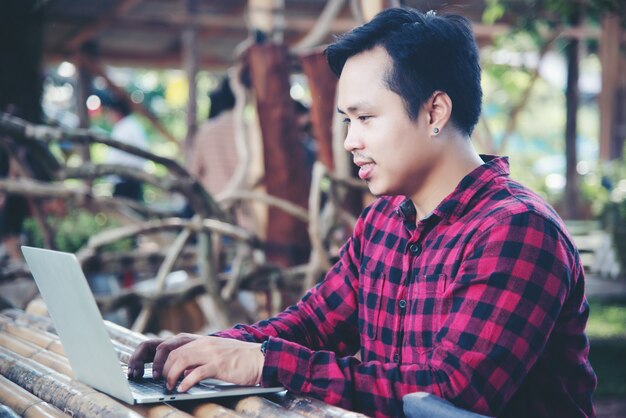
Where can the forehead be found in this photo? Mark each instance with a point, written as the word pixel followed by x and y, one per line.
pixel 363 74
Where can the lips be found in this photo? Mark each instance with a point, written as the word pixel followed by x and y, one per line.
pixel 365 169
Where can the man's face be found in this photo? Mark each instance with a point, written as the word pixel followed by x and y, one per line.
pixel 395 154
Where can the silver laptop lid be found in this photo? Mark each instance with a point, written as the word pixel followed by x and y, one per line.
pixel 78 322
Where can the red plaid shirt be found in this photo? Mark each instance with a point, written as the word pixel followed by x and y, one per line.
pixel 481 303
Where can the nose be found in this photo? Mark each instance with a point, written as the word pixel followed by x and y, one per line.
pixel 352 141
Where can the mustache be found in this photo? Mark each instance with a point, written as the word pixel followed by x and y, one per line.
pixel 360 157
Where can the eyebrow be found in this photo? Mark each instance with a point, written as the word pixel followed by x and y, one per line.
pixel 355 107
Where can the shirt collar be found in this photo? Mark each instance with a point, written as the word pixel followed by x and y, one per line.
pixel 456 203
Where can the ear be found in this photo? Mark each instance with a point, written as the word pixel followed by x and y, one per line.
pixel 439 109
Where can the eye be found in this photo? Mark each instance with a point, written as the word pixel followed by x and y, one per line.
pixel 346 121
pixel 364 118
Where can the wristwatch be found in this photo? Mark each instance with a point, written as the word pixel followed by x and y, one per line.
pixel 264 346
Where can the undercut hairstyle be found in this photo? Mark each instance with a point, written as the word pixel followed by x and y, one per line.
pixel 429 53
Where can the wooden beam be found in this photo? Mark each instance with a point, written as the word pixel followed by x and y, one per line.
pixel 177 21
pixel 138 60
pixel 90 31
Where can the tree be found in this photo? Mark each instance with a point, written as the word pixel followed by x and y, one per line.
pixel 534 17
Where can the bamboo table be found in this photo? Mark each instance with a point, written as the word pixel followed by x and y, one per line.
pixel 37 381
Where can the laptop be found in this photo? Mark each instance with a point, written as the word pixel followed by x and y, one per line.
pixel 87 345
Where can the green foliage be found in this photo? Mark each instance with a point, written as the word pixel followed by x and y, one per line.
pixel 607 320
pixel 72 232
pixel 607 360
pixel 606 329
pixel 494 10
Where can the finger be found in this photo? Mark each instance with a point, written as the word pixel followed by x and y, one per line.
pixel 196 375
pixel 143 354
pixel 160 357
pixel 177 362
pixel 163 351
pixel 165 348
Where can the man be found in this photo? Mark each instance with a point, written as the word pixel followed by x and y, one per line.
pixel 128 130
pixel 457 281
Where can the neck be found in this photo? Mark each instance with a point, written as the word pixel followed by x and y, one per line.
pixel 457 159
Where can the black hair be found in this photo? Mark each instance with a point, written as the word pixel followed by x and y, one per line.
pixel 116 103
pixel 222 98
pixel 300 107
pixel 429 53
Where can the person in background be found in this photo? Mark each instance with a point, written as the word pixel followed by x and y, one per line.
pixel 458 281
pixel 214 158
pixel 126 129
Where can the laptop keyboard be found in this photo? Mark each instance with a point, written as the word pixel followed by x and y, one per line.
pixel 147 386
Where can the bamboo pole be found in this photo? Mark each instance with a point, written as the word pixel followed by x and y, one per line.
pixel 313 408
pixel 255 406
pixel 124 335
pixel 40 343
pixel 160 411
pixel 36 353
pixel 212 410
pixel 21 318
pixel 24 403
pixel 42 338
pixel 16 324
pixel 71 396
pixel 6 412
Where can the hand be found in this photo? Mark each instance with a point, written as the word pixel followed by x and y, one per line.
pixel 235 361
pixel 155 350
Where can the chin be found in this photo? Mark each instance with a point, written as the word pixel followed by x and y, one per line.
pixel 377 191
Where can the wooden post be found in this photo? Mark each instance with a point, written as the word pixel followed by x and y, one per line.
pixel 83 84
pixel 571 203
pixel 285 168
pixel 190 64
pixel 611 60
pixel 323 85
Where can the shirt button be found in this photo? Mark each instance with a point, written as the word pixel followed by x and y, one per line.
pixel 402 304
pixel 396 357
pixel 415 248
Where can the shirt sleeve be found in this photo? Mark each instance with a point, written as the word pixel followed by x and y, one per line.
pixel 501 308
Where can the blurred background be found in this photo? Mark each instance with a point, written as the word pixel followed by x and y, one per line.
pixel 188 152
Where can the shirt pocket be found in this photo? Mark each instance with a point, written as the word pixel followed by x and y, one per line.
pixel 426 300
pixel 371 293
